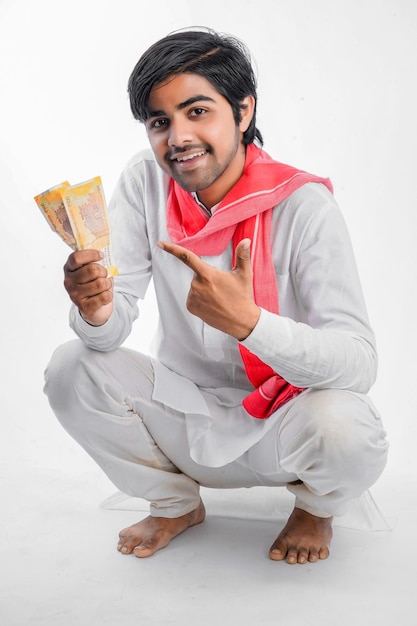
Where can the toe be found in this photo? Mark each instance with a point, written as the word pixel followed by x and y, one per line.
pixel 149 546
pixel 126 545
pixel 277 551
pixel 142 551
pixel 292 556
pixel 313 557
pixel 302 556
pixel 276 554
pixel 324 552
pixel 122 548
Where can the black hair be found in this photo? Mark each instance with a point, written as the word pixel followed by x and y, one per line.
pixel 222 59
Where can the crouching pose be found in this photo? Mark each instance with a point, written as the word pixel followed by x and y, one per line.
pixel 263 355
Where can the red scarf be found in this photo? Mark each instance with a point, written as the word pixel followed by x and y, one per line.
pixel 246 211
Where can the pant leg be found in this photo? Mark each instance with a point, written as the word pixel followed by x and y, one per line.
pixel 335 443
pixel 94 396
pixel 104 401
pixel 331 440
pixel 328 447
pixel 168 428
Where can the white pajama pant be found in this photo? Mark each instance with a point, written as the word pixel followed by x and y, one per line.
pixel 327 448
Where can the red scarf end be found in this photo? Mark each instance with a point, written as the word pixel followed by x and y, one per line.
pixel 269 397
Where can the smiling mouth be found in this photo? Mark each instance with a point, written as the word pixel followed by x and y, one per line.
pixel 188 157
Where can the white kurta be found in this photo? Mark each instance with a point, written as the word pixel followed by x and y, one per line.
pixel 321 339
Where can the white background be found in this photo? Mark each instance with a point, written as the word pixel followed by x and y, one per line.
pixel 337 96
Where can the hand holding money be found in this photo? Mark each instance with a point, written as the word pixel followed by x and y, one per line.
pixel 78 215
pixel 88 285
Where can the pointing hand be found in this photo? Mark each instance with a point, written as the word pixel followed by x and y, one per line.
pixel 221 299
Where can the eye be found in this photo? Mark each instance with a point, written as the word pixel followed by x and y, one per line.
pixel 197 112
pixel 157 123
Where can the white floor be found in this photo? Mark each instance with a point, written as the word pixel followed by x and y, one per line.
pixel 59 565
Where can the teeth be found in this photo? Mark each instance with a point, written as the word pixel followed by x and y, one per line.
pixel 190 156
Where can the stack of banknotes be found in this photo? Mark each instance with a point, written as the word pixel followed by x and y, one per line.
pixel 77 213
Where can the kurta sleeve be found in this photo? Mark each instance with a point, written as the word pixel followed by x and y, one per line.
pixel 329 343
pixel 131 253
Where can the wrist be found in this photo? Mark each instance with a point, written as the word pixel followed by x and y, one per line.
pixel 98 319
pixel 250 322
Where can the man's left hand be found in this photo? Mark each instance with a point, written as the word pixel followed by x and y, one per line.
pixel 221 299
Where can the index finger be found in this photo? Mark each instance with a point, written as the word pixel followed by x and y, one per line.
pixel 186 256
pixel 79 258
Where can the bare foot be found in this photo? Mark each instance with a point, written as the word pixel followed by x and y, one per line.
pixel 305 537
pixel 153 533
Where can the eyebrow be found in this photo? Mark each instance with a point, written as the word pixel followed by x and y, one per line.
pixel 183 105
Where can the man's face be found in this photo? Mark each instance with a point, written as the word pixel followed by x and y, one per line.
pixel 194 136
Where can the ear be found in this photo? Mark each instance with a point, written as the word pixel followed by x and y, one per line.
pixel 247 107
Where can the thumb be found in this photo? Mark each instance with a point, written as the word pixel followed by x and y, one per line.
pixel 242 255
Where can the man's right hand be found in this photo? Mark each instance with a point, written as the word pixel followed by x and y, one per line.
pixel 88 286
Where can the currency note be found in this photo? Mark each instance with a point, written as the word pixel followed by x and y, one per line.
pixel 78 214
pixel 52 206
pixel 86 208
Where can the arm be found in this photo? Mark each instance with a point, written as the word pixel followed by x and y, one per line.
pixel 104 309
pixel 313 358
pixel 331 344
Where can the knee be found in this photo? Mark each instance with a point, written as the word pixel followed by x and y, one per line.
pixel 340 426
pixel 317 416
pixel 332 419
pixel 62 372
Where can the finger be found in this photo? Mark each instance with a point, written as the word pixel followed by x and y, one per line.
pixel 82 257
pixel 242 255
pixel 188 258
pixel 87 276
pixel 81 292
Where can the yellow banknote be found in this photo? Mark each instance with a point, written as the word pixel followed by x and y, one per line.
pixel 85 205
pixel 78 214
pixel 51 204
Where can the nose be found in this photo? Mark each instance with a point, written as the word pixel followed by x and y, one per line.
pixel 180 132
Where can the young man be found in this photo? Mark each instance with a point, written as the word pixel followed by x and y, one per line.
pixel 264 352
